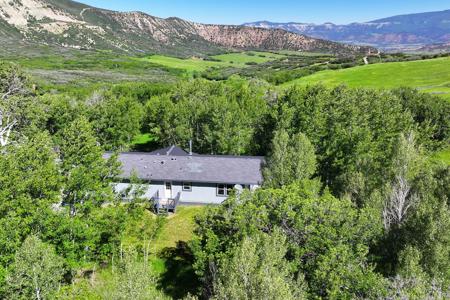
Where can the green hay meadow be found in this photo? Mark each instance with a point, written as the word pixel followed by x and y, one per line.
pixel 432 76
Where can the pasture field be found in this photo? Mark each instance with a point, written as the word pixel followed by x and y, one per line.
pixel 244 58
pixel 431 76
pixel 190 65
pixel 300 53
pixel 92 67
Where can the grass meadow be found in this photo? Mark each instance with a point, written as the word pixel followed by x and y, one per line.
pixel 431 76
pixel 191 65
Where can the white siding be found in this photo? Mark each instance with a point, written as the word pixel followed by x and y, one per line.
pixel 150 190
pixel 202 193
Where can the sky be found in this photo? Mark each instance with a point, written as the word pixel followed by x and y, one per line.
pixel 241 11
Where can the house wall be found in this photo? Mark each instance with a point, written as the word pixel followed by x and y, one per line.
pixel 202 193
pixel 150 189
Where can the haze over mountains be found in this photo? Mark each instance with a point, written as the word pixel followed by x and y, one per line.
pixel 74 25
pixel 411 31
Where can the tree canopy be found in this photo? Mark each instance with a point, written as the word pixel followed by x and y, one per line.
pixel 353 205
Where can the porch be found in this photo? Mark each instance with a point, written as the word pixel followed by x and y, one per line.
pixel 164 205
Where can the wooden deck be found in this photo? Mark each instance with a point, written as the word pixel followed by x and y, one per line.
pixel 166 205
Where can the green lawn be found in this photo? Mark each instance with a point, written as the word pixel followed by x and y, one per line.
pixel 178 228
pixel 431 76
pixel 443 156
pixel 143 139
pixel 172 259
pixel 170 230
pixel 144 142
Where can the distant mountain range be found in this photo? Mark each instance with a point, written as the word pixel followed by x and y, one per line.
pixel 70 24
pixel 411 31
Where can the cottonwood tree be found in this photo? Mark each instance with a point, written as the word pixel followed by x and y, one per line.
pixel 219 117
pixel 133 279
pixel 291 159
pixel 116 120
pixel 411 282
pixel 399 202
pixel 7 123
pixel 36 272
pixel 401 198
pixel 14 101
pixel 29 185
pixel 427 227
pixel 257 270
pixel 327 238
pixel 87 175
pixel 431 115
pixel 351 130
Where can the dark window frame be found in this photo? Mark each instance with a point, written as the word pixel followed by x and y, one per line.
pixel 168 185
pixel 186 186
pixel 224 190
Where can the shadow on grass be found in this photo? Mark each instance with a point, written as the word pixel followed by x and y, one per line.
pixel 179 279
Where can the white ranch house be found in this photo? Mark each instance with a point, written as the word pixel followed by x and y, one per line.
pixel 173 176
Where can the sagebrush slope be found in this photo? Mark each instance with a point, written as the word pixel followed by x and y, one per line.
pixel 71 24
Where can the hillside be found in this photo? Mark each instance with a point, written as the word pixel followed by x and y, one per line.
pixel 436 48
pixel 395 33
pixel 74 25
pixel 427 75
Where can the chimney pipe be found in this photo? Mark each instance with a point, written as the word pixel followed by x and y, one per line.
pixel 190 147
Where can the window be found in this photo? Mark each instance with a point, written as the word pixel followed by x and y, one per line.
pixel 224 190
pixel 187 186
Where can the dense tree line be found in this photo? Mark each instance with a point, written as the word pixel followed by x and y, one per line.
pixel 220 118
pixel 352 206
pixel 376 196
pixel 54 185
pixel 334 249
pixel 354 132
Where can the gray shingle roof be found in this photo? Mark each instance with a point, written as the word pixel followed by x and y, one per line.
pixel 172 150
pixel 197 168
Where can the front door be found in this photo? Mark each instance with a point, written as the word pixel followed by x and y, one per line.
pixel 168 189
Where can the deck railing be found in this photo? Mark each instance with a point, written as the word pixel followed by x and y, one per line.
pixel 165 205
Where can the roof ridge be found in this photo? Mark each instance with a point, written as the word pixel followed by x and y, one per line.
pixel 194 156
pixel 170 150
